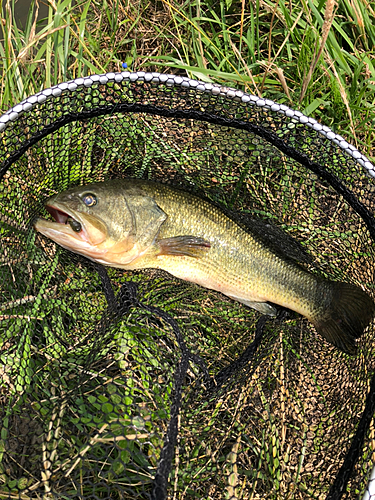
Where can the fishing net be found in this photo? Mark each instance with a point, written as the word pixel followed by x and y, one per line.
pixel 137 385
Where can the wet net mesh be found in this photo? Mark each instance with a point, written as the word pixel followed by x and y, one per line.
pixel 137 385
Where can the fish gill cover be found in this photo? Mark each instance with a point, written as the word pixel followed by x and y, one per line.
pixel 136 384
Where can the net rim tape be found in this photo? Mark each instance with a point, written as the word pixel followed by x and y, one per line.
pixel 173 80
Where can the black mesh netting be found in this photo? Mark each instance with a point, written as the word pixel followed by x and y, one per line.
pixel 138 385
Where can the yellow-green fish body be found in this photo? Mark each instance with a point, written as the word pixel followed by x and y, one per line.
pixel 134 224
pixel 237 263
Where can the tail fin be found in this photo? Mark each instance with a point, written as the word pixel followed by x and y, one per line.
pixel 349 311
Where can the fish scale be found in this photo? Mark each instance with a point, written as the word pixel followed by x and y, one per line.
pixel 237 264
pixel 136 224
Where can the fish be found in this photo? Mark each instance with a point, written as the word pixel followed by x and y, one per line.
pixel 138 224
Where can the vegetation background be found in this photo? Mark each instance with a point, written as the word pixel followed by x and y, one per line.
pixel 312 55
pixel 315 56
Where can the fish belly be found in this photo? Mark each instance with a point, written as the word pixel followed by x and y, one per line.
pixel 237 264
pixel 250 279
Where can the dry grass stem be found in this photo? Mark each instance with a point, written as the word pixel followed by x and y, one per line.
pixel 270 63
pixel 249 73
pixel 344 98
pixel 328 20
pixel 281 76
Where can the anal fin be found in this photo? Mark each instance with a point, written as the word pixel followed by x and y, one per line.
pixel 262 307
pixel 190 246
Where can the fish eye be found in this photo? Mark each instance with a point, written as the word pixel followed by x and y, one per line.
pixel 90 200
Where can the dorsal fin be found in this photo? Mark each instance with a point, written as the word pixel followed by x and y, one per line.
pixel 277 240
pixel 272 236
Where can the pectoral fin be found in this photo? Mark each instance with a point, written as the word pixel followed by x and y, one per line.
pixel 190 246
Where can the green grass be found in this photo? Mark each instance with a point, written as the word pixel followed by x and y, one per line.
pixel 41 55
pixel 283 51
pixel 270 51
pixel 315 58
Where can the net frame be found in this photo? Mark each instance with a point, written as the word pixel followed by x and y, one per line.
pixel 228 94
pixel 14 113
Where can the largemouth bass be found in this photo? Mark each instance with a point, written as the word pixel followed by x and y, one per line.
pixel 135 224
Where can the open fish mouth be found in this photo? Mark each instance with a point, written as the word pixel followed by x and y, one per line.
pixel 59 216
pixel 70 228
pixel 66 226
pixel 62 217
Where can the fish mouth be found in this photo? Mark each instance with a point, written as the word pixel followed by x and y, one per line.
pixel 59 215
pixel 79 232
pixel 67 226
pixel 67 218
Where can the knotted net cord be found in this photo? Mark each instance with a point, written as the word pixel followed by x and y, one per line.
pixel 128 298
pixel 270 411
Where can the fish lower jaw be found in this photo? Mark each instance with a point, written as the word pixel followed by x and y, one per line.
pixel 84 250
pixel 73 244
